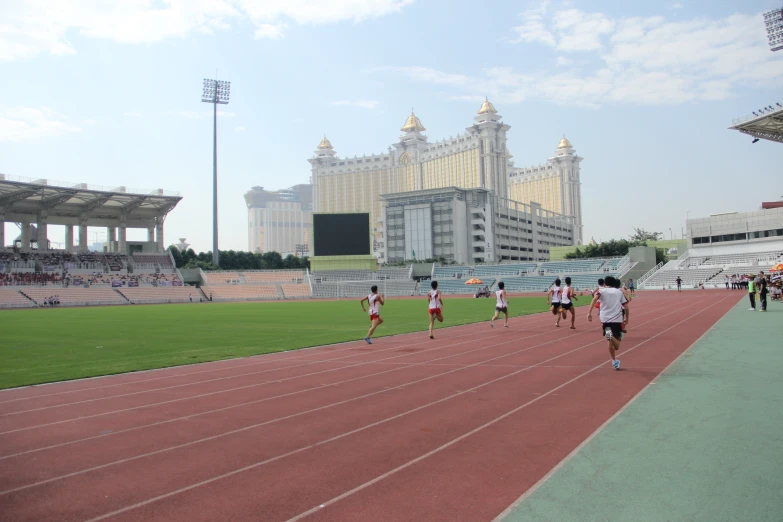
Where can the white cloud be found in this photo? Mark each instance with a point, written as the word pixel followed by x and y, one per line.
pixel 32 27
pixel 533 28
pixel 647 61
pixel 677 5
pixel 240 129
pixel 363 104
pixel 90 122
pixel 22 124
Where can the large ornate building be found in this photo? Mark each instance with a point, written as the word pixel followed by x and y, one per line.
pixel 476 159
pixel 555 185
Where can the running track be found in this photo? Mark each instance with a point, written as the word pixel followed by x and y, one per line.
pixel 408 429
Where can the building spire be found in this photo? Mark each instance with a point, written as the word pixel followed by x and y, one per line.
pixel 325 143
pixel 564 144
pixel 487 107
pixel 413 124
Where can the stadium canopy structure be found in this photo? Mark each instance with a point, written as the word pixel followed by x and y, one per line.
pixel 43 203
pixel 766 124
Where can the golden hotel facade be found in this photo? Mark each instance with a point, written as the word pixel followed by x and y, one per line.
pixel 477 159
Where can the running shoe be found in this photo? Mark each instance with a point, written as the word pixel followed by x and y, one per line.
pixel 368 340
pixel 616 364
pixel 751 309
pixel 492 324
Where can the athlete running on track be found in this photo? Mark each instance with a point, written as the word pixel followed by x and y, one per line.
pixel 374 300
pixel 435 306
pixel 501 305
pixel 613 302
pixel 553 298
pixel 566 305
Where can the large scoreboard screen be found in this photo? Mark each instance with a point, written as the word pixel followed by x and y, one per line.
pixel 341 234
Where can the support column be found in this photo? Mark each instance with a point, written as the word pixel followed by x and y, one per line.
pixel 25 236
pixel 2 231
pixel 159 234
pixel 123 228
pixel 150 234
pixel 111 237
pixel 83 236
pixel 42 239
pixel 69 238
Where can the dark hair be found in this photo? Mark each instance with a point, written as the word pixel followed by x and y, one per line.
pixel 557 282
pixel 434 285
pixel 601 282
pixel 609 282
pixel 568 280
pixel 617 283
pixel 374 288
pixel 501 285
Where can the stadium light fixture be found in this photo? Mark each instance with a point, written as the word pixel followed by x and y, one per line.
pixel 755 140
pixel 773 20
pixel 217 93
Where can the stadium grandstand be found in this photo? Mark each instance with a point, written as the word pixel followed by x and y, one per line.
pixel 765 123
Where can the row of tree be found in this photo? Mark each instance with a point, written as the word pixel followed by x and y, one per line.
pixel 619 247
pixel 237 260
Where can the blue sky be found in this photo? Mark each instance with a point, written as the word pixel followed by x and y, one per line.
pixel 108 93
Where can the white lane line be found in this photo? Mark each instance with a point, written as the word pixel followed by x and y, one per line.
pixel 474 431
pixel 342 402
pixel 439 347
pixel 593 435
pixel 228 377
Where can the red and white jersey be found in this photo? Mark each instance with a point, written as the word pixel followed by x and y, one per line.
pixel 375 305
pixel 434 302
pixel 556 294
pixel 502 303
pixel 566 297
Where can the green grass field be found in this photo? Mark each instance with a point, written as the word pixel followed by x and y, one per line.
pixel 40 346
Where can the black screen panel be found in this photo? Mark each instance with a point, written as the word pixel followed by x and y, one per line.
pixel 341 234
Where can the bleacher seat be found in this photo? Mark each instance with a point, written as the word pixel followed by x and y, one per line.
pixel 509 269
pixel 12 298
pixel 452 271
pixel 572 267
pixel 221 277
pixel 241 292
pixel 75 296
pixel 293 291
pixel 161 294
pixel 273 276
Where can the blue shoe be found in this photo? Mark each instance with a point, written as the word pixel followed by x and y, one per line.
pixel 368 340
pixel 616 364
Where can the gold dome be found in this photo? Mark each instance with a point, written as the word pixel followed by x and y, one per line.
pixel 564 144
pixel 412 124
pixel 487 107
pixel 325 144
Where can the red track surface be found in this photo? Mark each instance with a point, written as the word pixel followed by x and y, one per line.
pixel 408 429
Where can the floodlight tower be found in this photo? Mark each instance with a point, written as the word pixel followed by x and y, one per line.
pixel 774 23
pixel 216 92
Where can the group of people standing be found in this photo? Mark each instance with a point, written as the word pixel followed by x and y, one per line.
pixel 737 282
pixel 758 285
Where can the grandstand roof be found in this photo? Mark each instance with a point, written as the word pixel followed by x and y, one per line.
pixel 22 199
pixel 767 124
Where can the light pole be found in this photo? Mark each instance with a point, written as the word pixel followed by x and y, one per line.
pixel 215 92
pixel 671 234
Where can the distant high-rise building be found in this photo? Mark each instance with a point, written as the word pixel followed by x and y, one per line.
pixel 773 20
pixel 280 221
pixel 555 185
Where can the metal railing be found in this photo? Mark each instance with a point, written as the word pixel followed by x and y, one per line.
pixel 648 274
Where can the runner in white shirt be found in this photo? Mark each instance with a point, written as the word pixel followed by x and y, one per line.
pixel 374 300
pixel 501 305
pixel 553 298
pixel 435 306
pixel 565 302
pixel 613 302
